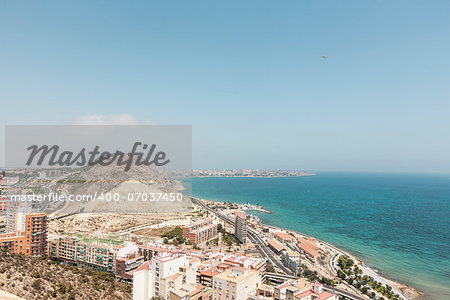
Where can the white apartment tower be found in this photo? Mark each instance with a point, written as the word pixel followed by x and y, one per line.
pixel 240 227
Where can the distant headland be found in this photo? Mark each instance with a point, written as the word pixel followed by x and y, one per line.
pixel 249 173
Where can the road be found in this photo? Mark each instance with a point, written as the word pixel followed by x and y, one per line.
pixel 260 244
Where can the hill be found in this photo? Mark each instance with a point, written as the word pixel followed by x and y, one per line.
pixel 40 278
pixel 130 191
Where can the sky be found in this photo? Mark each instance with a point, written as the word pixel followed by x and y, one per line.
pixel 249 77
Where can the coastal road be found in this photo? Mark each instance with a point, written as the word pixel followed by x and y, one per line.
pixel 267 252
pixel 254 237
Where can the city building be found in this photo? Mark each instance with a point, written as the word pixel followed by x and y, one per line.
pixel 310 248
pixel 3 192
pixel 177 273
pixel 291 260
pixel 315 293
pixel 257 264
pixel 85 253
pixel 235 283
pixel 263 292
pixel 150 251
pixel 32 240
pixel 240 227
pixel 276 246
pixel 284 237
pixel 200 232
pixel 205 277
pixel 127 259
pixel 160 275
pixel 6 190
pixel 16 215
pixel 190 292
pixel 287 289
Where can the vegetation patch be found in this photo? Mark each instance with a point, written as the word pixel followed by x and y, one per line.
pixel 41 278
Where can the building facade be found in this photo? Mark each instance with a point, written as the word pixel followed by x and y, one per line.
pixel 240 227
pixel 235 283
pixel 32 241
pixel 157 277
pixel 74 251
pixel 200 232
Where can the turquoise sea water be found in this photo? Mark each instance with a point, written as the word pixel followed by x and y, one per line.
pixel 398 224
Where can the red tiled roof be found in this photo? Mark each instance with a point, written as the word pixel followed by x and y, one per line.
pixel 309 247
pixel 145 266
pixel 284 236
pixel 276 245
pixel 210 272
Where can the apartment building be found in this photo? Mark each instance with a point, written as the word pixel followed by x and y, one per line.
pixel 206 275
pixel 32 241
pixel 286 290
pixel 235 284
pixel 291 259
pixel 177 273
pixel 16 213
pixel 6 191
pixel 240 227
pixel 200 232
pixel 150 251
pixel 126 265
pixel 162 274
pixel 75 251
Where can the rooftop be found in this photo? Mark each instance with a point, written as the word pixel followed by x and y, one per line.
pixel 284 236
pixel 276 245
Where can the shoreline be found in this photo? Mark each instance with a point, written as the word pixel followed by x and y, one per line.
pixel 254 176
pixel 404 290
pixel 409 292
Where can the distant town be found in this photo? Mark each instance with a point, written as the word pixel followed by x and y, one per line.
pixel 249 173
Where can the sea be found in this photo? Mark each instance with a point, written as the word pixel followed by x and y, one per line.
pixel 398 224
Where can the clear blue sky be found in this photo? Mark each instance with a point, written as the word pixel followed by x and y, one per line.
pixel 247 75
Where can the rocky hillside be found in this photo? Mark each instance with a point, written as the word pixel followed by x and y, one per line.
pixel 38 278
pixel 126 189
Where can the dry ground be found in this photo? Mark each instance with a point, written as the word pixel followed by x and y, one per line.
pixel 88 222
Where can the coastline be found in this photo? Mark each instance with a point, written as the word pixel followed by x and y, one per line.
pixel 405 291
pixel 254 176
